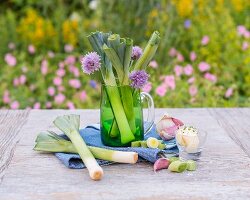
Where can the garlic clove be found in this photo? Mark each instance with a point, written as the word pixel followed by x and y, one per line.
pixel 161 163
pixel 179 138
pixel 191 143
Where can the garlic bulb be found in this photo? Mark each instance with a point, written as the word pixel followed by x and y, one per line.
pixel 167 126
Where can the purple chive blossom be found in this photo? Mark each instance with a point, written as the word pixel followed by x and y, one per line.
pixel 136 53
pixel 187 23
pixel 138 78
pixel 92 83
pixel 91 63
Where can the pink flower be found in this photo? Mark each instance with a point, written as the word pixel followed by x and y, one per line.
pixel 70 60
pixel 10 59
pixel 31 49
pixel 6 97
pixel 61 64
pixel 14 105
pixel 68 48
pixel 180 57
pixel 245 46
pixel 48 104
pixel 44 67
pixel 75 83
pixel 191 80
pixel 169 81
pixel 16 82
pixel 76 72
pixel 172 52
pixel 11 46
pixel 60 72
pixel 51 91
pixel 83 95
pixel 193 90
pixel 22 79
pixel 147 88
pixel 153 64
pixel 70 105
pixel 247 34
pixel 203 66
pixel 24 69
pixel 178 70
pixel 229 92
pixel 60 88
pixel 241 30
pixel 59 99
pixel 205 40
pixel 37 105
pixel 57 81
pixel 188 70
pixel 210 77
pixel 193 56
pixel 161 90
pixel 51 54
pixel 32 87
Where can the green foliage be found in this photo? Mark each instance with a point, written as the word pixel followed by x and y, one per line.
pixel 50 25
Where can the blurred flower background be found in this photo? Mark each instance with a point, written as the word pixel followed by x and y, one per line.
pixel 203 59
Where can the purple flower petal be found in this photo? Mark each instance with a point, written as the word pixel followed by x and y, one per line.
pixel 138 78
pixel 136 53
pixel 91 63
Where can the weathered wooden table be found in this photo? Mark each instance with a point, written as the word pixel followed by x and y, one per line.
pixel 223 172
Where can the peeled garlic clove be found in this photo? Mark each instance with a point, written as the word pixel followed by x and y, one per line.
pixel 161 163
pixel 191 143
pixel 180 139
pixel 167 127
pixel 152 142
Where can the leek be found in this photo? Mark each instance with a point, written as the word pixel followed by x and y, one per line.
pixel 148 52
pixel 49 141
pixel 98 40
pixel 69 124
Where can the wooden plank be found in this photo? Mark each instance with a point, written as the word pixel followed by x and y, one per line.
pixel 223 171
pixel 236 122
pixel 11 123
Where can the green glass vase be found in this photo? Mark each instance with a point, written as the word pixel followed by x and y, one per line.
pixel 121 115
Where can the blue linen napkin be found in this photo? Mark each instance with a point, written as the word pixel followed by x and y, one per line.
pixel 91 135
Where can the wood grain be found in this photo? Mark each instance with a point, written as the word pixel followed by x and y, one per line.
pixel 236 122
pixel 10 124
pixel 223 171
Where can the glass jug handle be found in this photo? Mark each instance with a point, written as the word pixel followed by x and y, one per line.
pixel 151 111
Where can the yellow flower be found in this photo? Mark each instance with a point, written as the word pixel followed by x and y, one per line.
pixel 70 32
pixel 184 7
pixel 34 29
pixel 237 4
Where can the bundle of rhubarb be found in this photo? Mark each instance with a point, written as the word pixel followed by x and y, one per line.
pixel 122 68
pixel 50 142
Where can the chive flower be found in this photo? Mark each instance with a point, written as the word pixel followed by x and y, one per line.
pixel 138 78
pixel 136 53
pixel 91 63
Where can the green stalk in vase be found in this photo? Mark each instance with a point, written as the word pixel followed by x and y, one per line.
pixel 148 52
pixel 91 63
pixel 119 53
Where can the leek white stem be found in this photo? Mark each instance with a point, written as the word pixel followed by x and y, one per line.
pixel 69 124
